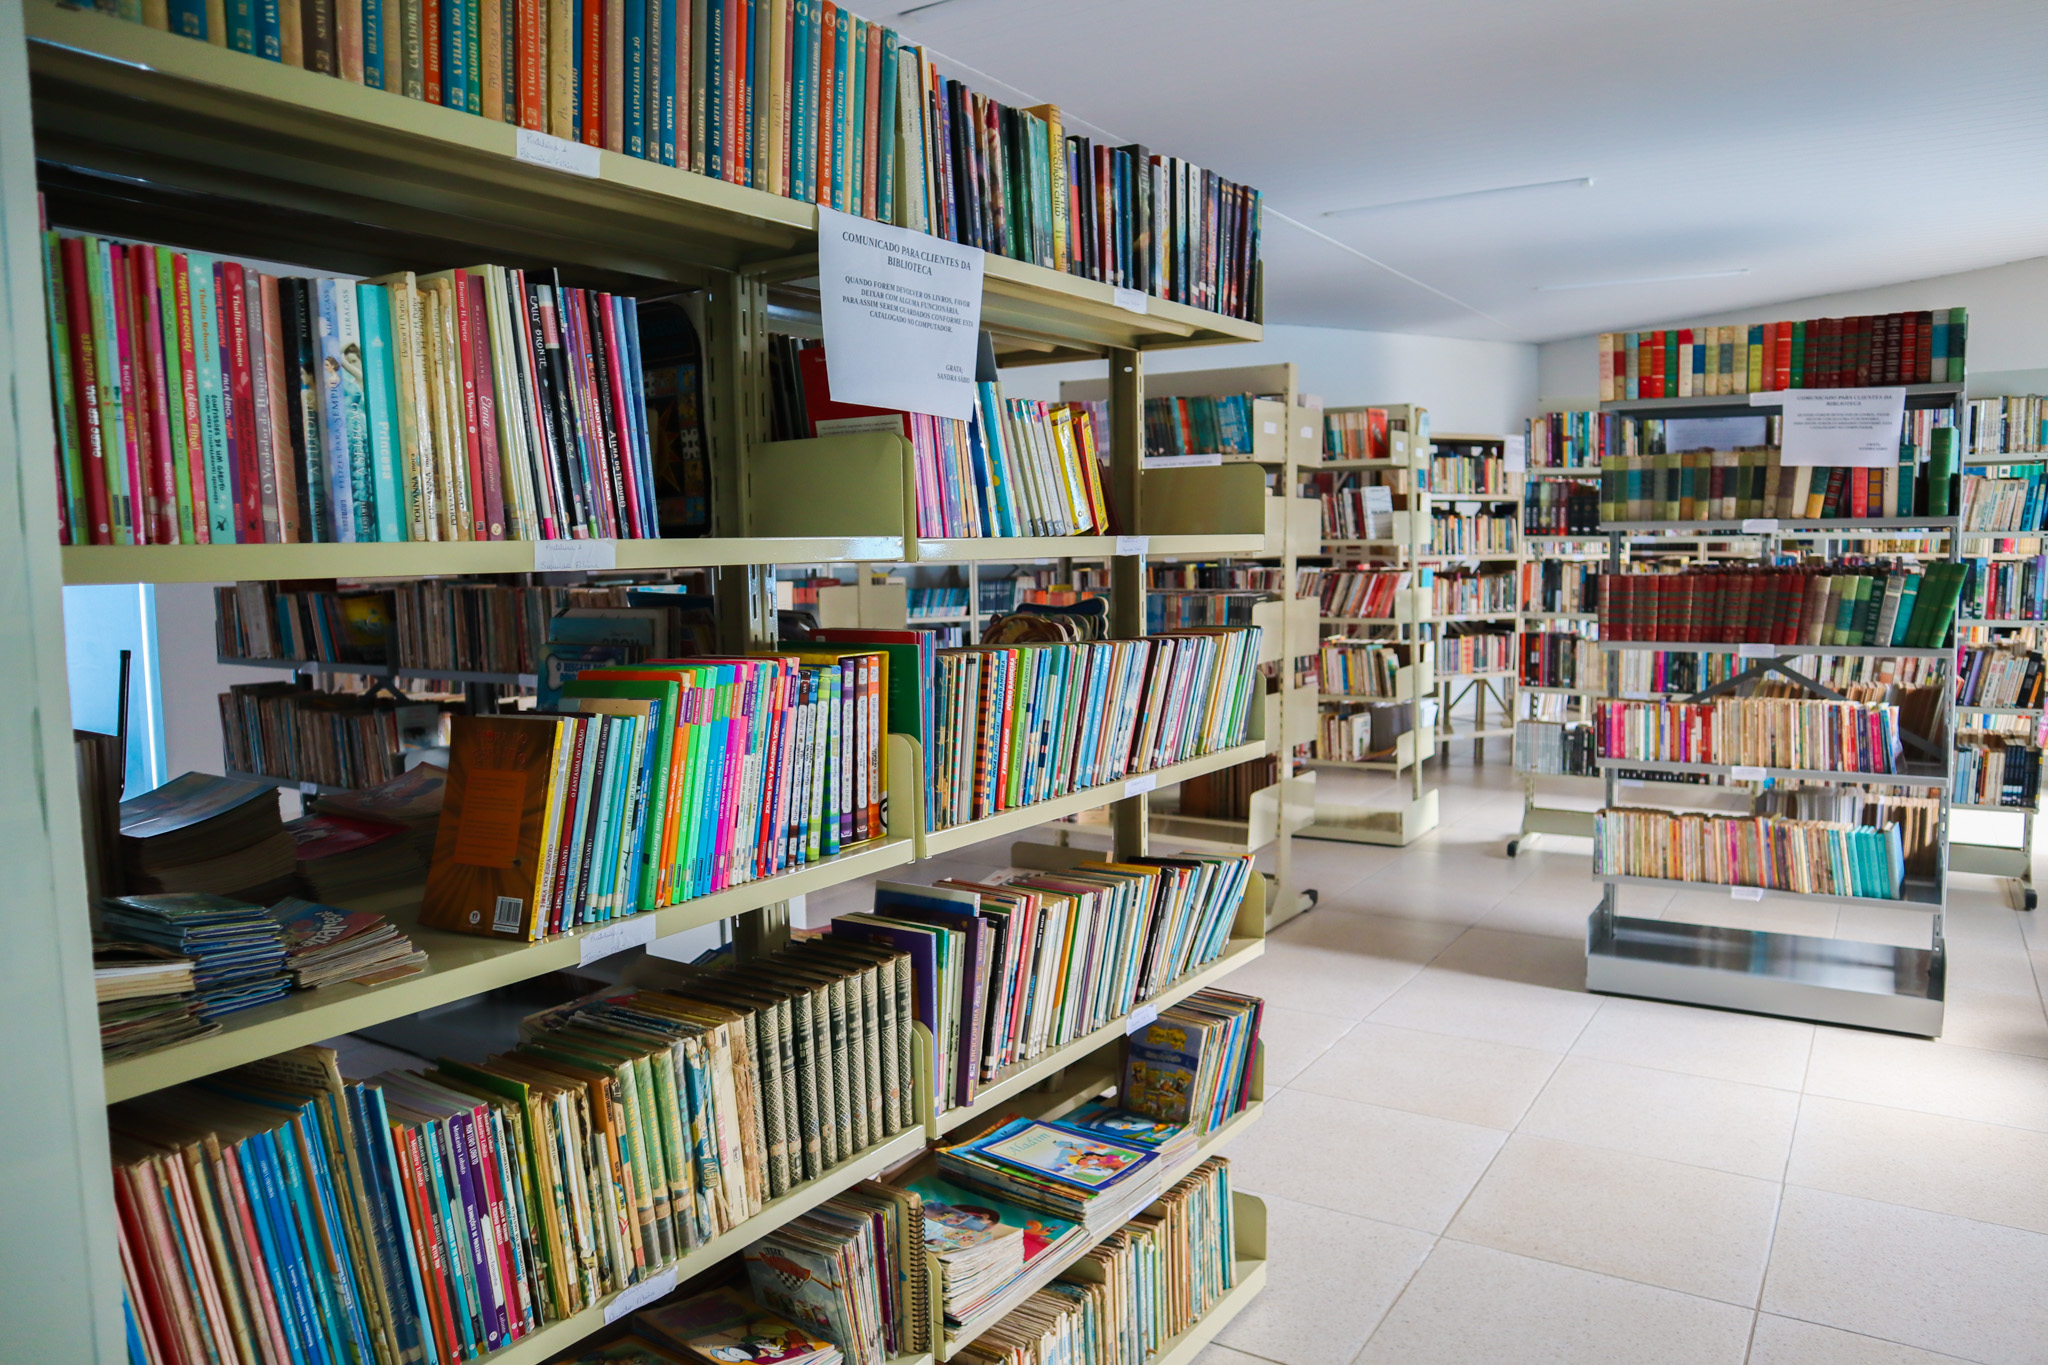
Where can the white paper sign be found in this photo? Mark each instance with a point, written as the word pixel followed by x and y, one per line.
pixel 556 153
pixel 1746 893
pixel 635 931
pixel 1756 651
pixel 1514 452
pixel 1854 427
pixel 1272 428
pixel 902 311
pixel 659 1285
pixel 1759 526
pixel 1134 545
pixel 551 555
pixel 1182 461
pixel 1140 1017
pixel 1132 301
pixel 1747 774
pixel 1138 786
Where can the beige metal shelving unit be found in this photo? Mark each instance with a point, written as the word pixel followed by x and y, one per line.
pixel 223 151
pixel 1486 688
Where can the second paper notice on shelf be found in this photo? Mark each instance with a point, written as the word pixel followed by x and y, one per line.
pixel 902 313
pixel 1856 428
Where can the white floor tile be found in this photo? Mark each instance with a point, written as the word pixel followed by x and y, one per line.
pixel 1984 1171
pixel 1787 1341
pixel 1469 1305
pixel 1533 959
pixel 1330 1278
pixel 1930 1280
pixel 1439 1074
pixel 1700 1042
pixel 1933 1077
pixel 1726 1125
pixel 1345 986
pixel 1999 1020
pixel 1658 1222
pixel 1293 1038
pixel 1482 1007
pixel 1362 1159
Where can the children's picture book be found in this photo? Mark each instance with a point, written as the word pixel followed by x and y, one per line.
pixel 1160 1070
pixel 957 1219
pixel 1058 1153
pixel 726 1326
pixel 1140 1130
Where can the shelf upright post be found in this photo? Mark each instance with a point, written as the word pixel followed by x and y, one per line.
pixel 62 1297
pixel 1130 818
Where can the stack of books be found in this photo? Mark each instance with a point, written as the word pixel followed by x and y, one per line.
pixel 198 832
pixel 337 739
pixel 411 801
pixel 1083 1177
pixel 984 1244
pixel 1562 507
pixel 1810 857
pixel 1555 585
pixel 1763 732
pixel 1999 677
pixel 343 859
pixel 2015 502
pixel 1569 440
pixel 853 1271
pixel 1193 1064
pixel 1906 605
pixel 263 409
pixel 237 949
pixel 2007 590
pixel 1020 963
pixel 1360 668
pixel 325 945
pixel 1173 1143
pixel 1551 748
pixel 146 998
pixel 727 1326
pixel 1731 485
pixel 1814 353
pixel 1360 434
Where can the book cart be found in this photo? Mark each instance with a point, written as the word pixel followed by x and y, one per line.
pixel 1482 487
pixel 1409 629
pixel 1286 434
pixel 158 137
pixel 1767 971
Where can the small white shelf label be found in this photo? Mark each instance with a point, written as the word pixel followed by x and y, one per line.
pixel 1138 786
pixel 1744 774
pixel 659 1285
pixel 636 931
pixel 1183 461
pixel 1134 545
pixel 1514 454
pixel 554 555
pixel 557 154
pixel 1133 301
pixel 1746 893
pixel 1140 1017
pixel 1272 428
pixel 1764 650
pixel 529 680
pixel 1759 526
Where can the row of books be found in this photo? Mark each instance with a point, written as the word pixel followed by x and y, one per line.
pixel 1907 606
pixel 202 402
pixel 287 730
pixel 1489 652
pixel 1369 732
pixel 1805 856
pixel 1467 468
pixel 2016 501
pixel 1561 507
pixel 1479 533
pixel 1569 440
pixel 1923 347
pixel 1559 658
pixel 937 602
pixel 2006 590
pixel 1557 585
pixel 1362 433
pixel 1228 575
pixel 1361 668
pixel 1360 593
pixel 1630 436
pixel 1913 817
pixel 1999 677
pixel 1727 485
pixel 2011 425
pixel 1459 593
pixel 1996 770
pixel 1166 611
pixel 1227 794
pixel 1018 725
pixel 1359 513
pixel 1555 749
pixel 809 102
pixel 1199 426
pixel 1762 732
pixel 1019 467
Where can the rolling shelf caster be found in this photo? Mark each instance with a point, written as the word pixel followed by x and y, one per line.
pixel 1514 847
pixel 2031 899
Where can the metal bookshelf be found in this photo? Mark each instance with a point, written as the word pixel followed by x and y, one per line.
pixel 1802 976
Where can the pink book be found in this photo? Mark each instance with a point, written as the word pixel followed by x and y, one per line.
pixel 491 504
pixel 615 393
pixel 138 514
pixel 276 413
pixel 262 352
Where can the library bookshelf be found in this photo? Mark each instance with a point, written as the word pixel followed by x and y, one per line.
pixel 224 152
pixel 1900 988
pixel 1456 514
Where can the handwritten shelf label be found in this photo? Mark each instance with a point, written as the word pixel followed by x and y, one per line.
pixel 1744 774
pixel 1759 526
pixel 636 931
pixel 556 153
pixel 1133 301
pixel 1746 893
pixel 1140 1017
pixel 659 1285
pixel 1134 545
pixel 555 555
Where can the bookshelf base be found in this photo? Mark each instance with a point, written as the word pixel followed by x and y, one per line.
pixel 1792 976
pixel 1990 860
pixel 1395 825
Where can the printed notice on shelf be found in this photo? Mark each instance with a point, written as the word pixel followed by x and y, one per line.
pixel 902 314
pixel 1141 1016
pixel 1183 461
pixel 1858 428
pixel 1757 651
pixel 1134 545
pixel 1747 774
pixel 1132 301
pixel 556 153
pixel 636 931
pixel 552 555
pixel 1514 454
pixel 632 1299
pixel 1138 786
pixel 1759 526
pixel 1746 893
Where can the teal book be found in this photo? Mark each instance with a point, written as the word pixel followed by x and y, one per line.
pixel 241 21
pixel 380 392
pixel 213 429
pixel 803 110
pixel 886 153
pixel 1958 336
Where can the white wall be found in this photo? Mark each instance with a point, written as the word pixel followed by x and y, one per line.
pixel 2008 348
pixel 1466 385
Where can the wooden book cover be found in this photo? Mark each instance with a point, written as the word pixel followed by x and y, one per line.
pixel 488 854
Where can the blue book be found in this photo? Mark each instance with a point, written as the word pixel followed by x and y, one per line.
pixel 435 1140
pixel 308 1207
pixel 454 46
pixel 269 40
pixel 213 412
pixel 380 394
pixel 288 1261
pixel 374 57
pixel 241 19
pixel 188 17
pixel 373 1153
pixel 669 85
pixel 743 136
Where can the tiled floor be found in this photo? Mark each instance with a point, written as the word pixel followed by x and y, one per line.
pixel 1469 1159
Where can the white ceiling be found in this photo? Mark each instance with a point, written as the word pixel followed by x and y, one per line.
pixel 1817 145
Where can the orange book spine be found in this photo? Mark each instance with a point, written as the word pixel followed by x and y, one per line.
pixel 530 69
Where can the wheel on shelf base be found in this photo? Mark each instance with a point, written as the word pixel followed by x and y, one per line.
pixel 2031 899
pixel 1514 847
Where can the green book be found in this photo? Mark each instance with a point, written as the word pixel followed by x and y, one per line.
pixel 1958 332
pixel 1869 602
pixel 1798 380
pixel 1941 468
pixel 1902 625
pixel 1845 610
pixel 1909 479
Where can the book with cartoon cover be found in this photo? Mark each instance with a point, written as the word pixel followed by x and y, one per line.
pixel 957 1219
pixel 723 1325
pixel 1059 1153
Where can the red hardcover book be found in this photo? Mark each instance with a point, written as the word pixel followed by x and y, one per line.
pixel 265 444
pixel 188 367
pixel 163 468
pixel 248 484
pixel 493 509
pixel 466 326
pixel 1783 379
pixel 1860 358
pixel 821 183
pixel 590 113
pixel 1859 493
pixel 430 51
pixel 1657 375
pixel 1905 328
pixel 1837 489
pixel 529 69
pixel 1767 368
pixel 86 391
pixel 1923 347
